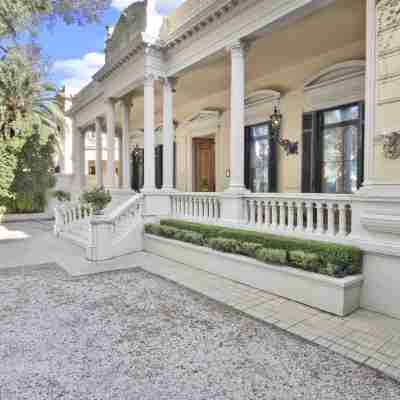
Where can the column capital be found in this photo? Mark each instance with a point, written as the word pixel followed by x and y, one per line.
pixel 170 82
pixel 239 47
pixel 149 79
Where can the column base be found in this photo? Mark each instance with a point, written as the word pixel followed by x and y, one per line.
pixel 237 190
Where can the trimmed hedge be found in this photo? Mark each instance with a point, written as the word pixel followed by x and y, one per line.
pixel 335 259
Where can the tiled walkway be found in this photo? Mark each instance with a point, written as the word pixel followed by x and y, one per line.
pixel 366 337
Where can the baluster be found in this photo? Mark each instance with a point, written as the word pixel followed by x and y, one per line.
pixel 252 219
pixel 298 213
pixel 274 214
pixel 268 217
pixel 260 221
pixel 282 215
pixel 342 220
pixel 208 207
pixel 320 218
pixel 331 210
pixel 310 217
pixel 291 216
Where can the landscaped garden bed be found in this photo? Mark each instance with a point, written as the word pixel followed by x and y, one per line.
pixel 323 275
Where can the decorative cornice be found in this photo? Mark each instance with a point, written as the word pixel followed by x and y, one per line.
pixel 199 20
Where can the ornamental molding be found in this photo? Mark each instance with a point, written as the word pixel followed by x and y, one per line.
pixel 390 144
pixel 381 223
pixel 206 13
pixel 262 96
pixel 336 85
pixel 203 121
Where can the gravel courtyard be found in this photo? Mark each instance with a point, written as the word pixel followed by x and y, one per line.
pixel 131 335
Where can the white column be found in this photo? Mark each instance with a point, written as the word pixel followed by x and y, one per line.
pixel 238 51
pixel 149 154
pixel 168 135
pixel 110 179
pixel 120 162
pixel 78 158
pixel 370 93
pixel 99 153
pixel 126 170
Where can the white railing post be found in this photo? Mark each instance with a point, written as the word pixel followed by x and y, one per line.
pixel 342 220
pixel 310 217
pixel 291 216
pixel 320 218
pixel 331 210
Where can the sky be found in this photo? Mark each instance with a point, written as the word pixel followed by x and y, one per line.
pixel 76 53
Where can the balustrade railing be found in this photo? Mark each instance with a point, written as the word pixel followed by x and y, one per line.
pixel 70 213
pixel 114 235
pixel 323 215
pixel 204 207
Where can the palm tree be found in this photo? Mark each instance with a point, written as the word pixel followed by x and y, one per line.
pixel 27 102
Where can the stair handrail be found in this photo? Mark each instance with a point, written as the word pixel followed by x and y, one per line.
pixel 119 212
pixel 70 212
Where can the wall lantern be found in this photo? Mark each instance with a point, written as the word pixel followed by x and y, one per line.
pixel 276 124
pixel 137 153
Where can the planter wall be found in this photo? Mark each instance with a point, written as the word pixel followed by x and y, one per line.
pixel 337 296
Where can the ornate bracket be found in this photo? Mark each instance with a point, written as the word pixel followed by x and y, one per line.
pixel 391 145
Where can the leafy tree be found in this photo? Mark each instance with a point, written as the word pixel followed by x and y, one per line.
pixel 18 16
pixel 34 174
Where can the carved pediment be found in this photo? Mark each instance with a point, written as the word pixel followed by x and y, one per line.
pixel 132 21
pixel 262 96
pixel 203 116
pixel 336 85
pixel 337 72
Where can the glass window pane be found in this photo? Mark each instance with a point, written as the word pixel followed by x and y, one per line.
pixel 259 158
pixel 341 115
pixel 340 159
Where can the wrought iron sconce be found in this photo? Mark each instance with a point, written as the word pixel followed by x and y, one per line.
pixel 276 125
pixel 137 153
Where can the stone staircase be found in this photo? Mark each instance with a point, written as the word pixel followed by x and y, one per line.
pixel 106 236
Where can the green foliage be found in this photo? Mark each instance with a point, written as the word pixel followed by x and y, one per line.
pixel 33 176
pixel 248 249
pixel 8 164
pixel 17 16
pixel 61 196
pixel 98 198
pixel 177 234
pixel 273 256
pixel 189 237
pixel 329 253
pixel 225 245
pixel 306 261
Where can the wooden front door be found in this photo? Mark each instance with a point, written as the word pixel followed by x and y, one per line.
pixel 204 165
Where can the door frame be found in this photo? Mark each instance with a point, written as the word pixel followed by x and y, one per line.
pixel 195 143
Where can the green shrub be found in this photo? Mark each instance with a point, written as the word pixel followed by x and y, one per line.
pixel 168 232
pixel 153 229
pixel 98 198
pixel 330 253
pixel 225 245
pixel 248 249
pixel 61 196
pixel 274 256
pixel 306 261
pixel 189 237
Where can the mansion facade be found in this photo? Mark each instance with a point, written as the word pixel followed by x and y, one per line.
pixel 277 115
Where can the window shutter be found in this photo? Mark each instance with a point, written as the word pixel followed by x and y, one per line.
pixel 159 166
pixel 247 157
pixel 273 165
pixel 308 184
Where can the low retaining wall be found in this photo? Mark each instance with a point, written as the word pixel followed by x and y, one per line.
pixel 337 296
pixel 25 217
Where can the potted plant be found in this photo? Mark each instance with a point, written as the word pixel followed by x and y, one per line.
pixel 97 198
pixel 61 196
